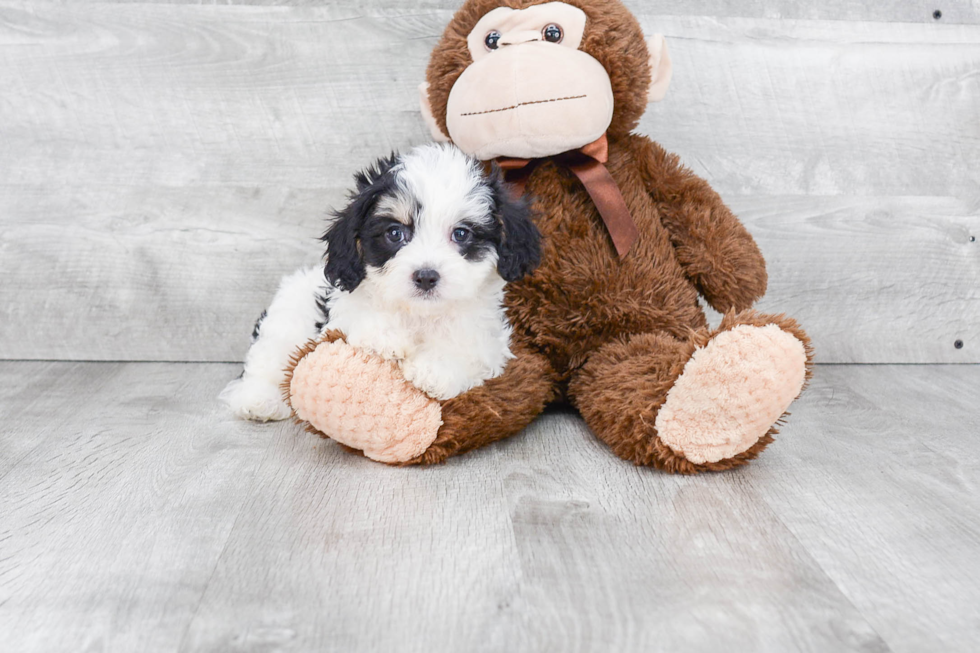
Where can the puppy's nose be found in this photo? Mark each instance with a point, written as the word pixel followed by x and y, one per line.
pixel 426 279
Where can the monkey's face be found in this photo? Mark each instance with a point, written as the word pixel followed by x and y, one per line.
pixel 530 90
pixel 533 79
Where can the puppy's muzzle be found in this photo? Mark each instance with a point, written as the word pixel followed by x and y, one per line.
pixel 425 280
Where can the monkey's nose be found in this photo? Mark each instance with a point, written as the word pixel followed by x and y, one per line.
pixel 425 279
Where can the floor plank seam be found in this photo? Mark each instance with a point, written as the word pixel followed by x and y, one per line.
pixel 823 570
pixel 224 546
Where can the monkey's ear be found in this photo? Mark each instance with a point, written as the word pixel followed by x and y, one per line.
pixel 430 120
pixel 661 69
pixel 519 252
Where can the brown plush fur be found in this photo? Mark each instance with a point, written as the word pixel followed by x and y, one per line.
pixel 583 295
pixel 609 335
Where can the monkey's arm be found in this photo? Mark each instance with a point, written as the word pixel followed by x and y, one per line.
pixel 362 401
pixel 714 248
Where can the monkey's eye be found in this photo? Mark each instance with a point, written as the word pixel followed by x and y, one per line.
pixel 552 33
pixel 492 40
pixel 461 235
pixel 395 235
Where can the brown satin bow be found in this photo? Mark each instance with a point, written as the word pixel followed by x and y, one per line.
pixel 586 163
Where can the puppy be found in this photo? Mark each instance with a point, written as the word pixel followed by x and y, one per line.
pixel 416 265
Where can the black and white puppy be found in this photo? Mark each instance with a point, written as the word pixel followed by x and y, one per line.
pixel 416 265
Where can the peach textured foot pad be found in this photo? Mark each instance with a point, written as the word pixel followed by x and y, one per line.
pixel 364 402
pixel 731 392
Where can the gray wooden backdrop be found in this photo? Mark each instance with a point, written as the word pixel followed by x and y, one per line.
pixel 163 163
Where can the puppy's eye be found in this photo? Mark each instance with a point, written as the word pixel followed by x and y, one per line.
pixel 395 235
pixel 552 33
pixel 461 235
pixel 492 40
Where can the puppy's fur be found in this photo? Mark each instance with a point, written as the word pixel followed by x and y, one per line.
pixel 415 271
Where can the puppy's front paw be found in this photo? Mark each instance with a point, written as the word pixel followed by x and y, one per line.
pixel 364 402
pixel 255 399
pixel 441 384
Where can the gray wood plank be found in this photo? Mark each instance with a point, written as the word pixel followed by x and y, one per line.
pixel 142 519
pixel 823 108
pixel 114 519
pixel 179 95
pixel 878 476
pixel 122 273
pixel 956 11
pixel 255 96
pixel 30 403
pixel 873 280
pixel 617 557
pixel 337 553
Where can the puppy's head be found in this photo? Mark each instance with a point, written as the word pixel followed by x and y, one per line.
pixel 428 228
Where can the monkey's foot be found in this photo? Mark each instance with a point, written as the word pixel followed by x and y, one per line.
pixel 363 402
pixel 731 392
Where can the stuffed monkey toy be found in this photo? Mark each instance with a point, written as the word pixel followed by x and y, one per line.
pixel 610 321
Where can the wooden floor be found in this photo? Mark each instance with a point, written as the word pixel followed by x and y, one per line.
pixel 137 517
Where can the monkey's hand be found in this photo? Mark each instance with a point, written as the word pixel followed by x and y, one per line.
pixel 360 400
pixel 364 403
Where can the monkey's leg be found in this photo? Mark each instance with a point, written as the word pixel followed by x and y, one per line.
pixel 707 404
pixel 363 402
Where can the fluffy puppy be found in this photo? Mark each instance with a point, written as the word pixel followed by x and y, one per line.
pixel 416 265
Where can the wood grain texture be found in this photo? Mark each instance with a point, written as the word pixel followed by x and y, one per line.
pixel 957 11
pixel 140 518
pixel 119 492
pixel 256 96
pixel 618 557
pixel 121 273
pixel 26 400
pixel 178 95
pixel 873 279
pixel 880 482
pixel 823 108
pixel 163 164
pixel 118 273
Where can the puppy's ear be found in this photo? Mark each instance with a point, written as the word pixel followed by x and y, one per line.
pixel 345 265
pixel 519 251
pixel 345 262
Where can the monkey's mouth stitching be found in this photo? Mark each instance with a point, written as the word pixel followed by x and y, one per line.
pixel 524 104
